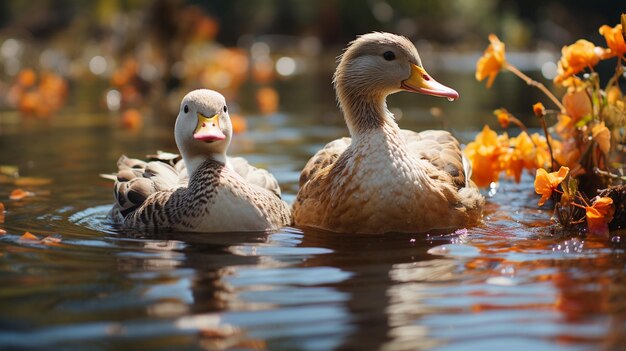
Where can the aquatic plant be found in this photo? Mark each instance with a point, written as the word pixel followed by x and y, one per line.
pixel 585 142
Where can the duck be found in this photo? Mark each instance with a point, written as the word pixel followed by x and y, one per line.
pixel 383 179
pixel 204 191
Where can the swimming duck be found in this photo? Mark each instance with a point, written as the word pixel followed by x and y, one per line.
pixel 384 179
pixel 206 191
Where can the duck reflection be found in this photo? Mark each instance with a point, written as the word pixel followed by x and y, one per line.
pixel 183 278
pixel 319 290
pixel 390 280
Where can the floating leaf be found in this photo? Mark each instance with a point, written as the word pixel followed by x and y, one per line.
pixel 10 171
pixel 2 231
pixel 51 240
pixel 19 194
pixel 32 181
pixel 28 237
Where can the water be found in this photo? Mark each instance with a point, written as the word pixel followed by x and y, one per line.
pixel 508 284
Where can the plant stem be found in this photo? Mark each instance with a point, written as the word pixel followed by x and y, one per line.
pixel 545 131
pixel 607 174
pixel 518 123
pixel 535 84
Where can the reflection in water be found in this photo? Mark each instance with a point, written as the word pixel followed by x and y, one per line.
pixel 505 283
pixel 383 268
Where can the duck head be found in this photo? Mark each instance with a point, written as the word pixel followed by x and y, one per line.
pixel 374 66
pixel 203 128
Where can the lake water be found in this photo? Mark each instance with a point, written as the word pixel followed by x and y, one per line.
pixel 510 283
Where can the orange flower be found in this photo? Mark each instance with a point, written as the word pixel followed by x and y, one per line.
pixel 614 40
pixel 504 118
pixel 576 57
pixel 565 127
pixel 546 183
pixel 238 122
pixel 27 78
pixel 577 104
pixel 567 153
pixel 267 100
pixel 539 110
pixel 521 149
pixel 601 134
pixel 484 154
pixel 569 82
pixel 614 94
pixel 541 155
pixel 599 214
pixel 492 61
pixel 132 119
pixel 525 152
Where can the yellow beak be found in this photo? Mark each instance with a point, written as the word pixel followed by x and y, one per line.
pixel 421 82
pixel 208 129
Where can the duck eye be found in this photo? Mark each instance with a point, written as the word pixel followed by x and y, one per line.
pixel 389 55
pixel 186 109
pixel 225 108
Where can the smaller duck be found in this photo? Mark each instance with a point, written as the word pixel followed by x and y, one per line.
pixel 206 191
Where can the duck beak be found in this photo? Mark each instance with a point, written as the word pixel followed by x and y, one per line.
pixel 421 82
pixel 208 129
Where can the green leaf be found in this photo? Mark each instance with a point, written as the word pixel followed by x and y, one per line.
pixel 583 121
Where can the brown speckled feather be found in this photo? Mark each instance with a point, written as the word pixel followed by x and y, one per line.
pixel 202 207
pixel 438 147
pixel 415 184
pixel 323 158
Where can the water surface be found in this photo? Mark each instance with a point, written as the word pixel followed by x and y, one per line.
pixel 511 283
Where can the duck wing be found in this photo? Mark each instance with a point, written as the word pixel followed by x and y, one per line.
pixel 323 158
pixel 442 150
pixel 257 176
pixel 136 180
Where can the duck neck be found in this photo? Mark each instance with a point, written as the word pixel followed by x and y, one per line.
pixel 193 163
pixel 367 115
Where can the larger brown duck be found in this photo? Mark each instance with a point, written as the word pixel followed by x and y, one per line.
pixel 206 191
pixel 385 179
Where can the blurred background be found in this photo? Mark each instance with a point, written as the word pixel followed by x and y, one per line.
pixel 134 60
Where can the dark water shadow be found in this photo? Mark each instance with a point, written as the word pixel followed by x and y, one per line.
pixel 378 266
